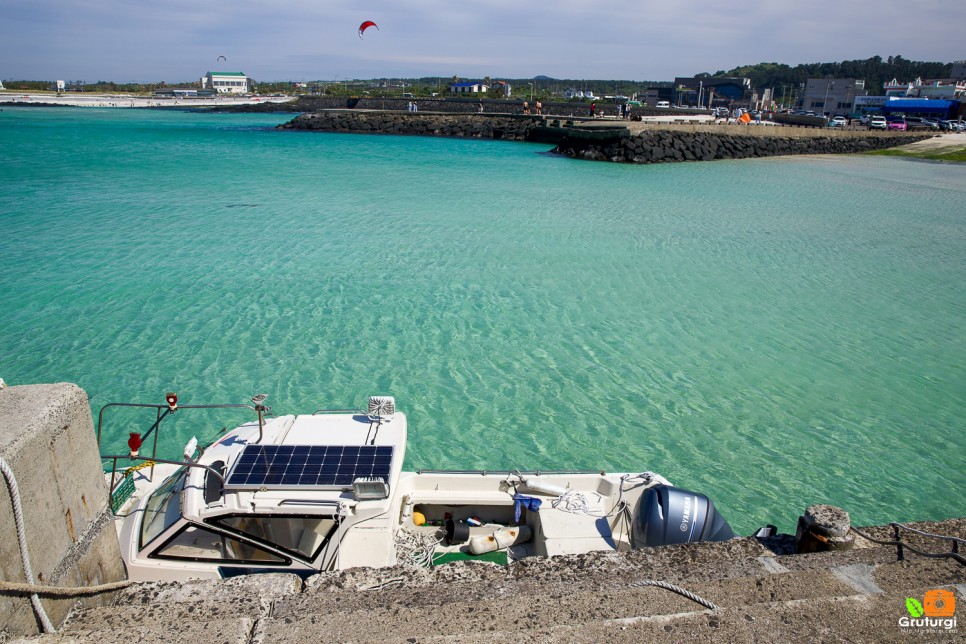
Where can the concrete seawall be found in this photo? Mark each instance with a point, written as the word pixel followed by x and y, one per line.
pixel 47 439
pixel 486 126
pixel 616 141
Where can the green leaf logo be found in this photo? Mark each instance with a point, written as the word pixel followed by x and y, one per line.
pixel 914 606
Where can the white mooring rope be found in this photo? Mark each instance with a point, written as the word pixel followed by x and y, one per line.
pixel 676 589
pixel 22 541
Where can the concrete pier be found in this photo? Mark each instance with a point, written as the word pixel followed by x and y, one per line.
pixel 762 594
pixel 47 439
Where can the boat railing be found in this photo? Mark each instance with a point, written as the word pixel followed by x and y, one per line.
pixel 513 472
pixel 125 485
pixel 117 498
pixel 163 411
pixel 338 411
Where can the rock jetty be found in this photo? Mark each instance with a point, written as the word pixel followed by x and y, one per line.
pixel 618 142
pixel 684 144
pixel 482 126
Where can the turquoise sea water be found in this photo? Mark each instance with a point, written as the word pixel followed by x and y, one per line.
pixel 772 333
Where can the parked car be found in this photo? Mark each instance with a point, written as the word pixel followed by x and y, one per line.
pixel 838 121
pixel 916 123
pixel 896 123
pixel 864 119
pixel 878 123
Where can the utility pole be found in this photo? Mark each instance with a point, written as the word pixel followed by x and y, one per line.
pixel 828 86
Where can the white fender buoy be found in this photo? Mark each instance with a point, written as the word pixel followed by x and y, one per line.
pixel 544 488
pixel 503 538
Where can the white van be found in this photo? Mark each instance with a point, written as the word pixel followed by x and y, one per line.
pixel 663 104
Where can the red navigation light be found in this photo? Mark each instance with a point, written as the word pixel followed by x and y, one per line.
pixel 134 442
pixel 172 399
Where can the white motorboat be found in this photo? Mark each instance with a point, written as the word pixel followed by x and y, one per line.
pixel 326 491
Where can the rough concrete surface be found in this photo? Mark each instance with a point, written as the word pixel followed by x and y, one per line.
pixel 47 439
pixel 762 594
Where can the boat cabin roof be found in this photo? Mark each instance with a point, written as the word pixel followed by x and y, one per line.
pixel 305 464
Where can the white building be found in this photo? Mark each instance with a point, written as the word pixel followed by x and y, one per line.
pixel 949 89
pixel 503 88
pixel 579 93
pixel 228 82
pixel 467 88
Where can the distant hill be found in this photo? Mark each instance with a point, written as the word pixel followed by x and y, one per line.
pixel 875 71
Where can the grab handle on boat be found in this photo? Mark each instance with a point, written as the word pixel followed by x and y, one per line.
pixel 257 400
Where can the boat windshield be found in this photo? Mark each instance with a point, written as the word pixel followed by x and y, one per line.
pixel 302 536
pixel 163 507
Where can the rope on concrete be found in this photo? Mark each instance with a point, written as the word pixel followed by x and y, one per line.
pixel 16 587
pixel 676 589
pixel 900 544
pixel 386 584
pixel 22 541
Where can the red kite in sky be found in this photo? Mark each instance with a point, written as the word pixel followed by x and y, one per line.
pixel 366 25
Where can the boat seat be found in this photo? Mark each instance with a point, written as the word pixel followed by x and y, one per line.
pixel 567 533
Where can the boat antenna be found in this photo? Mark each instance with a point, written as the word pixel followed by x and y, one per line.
pixel 258 399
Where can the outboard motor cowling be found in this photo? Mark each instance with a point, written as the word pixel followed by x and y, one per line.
pixel 667 515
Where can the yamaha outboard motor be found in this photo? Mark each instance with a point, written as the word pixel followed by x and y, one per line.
pixel 667 515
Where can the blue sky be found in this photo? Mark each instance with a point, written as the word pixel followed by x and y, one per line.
pixel 180 40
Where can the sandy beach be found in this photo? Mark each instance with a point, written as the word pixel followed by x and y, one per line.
pixel 126 100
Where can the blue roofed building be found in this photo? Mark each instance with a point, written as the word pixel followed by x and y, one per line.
pixel 925 107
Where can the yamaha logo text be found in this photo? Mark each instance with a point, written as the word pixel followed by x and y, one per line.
pixel 686 515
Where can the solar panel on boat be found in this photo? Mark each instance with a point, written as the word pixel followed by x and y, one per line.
pixel 308 466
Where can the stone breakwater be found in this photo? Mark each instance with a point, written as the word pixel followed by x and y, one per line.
pixel 615 142
pixel 671 145
pixel 505 126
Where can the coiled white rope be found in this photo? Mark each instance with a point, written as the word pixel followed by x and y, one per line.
pixel 579 503
pixel 22 541
pixel 575 502
pixel 414 549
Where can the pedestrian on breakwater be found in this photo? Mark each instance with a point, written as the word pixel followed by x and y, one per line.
pixel 526 107
pixel 593 108
pixel 539 107
pixel 481 107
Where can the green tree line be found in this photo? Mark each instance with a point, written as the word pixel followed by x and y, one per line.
pixel 876 71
